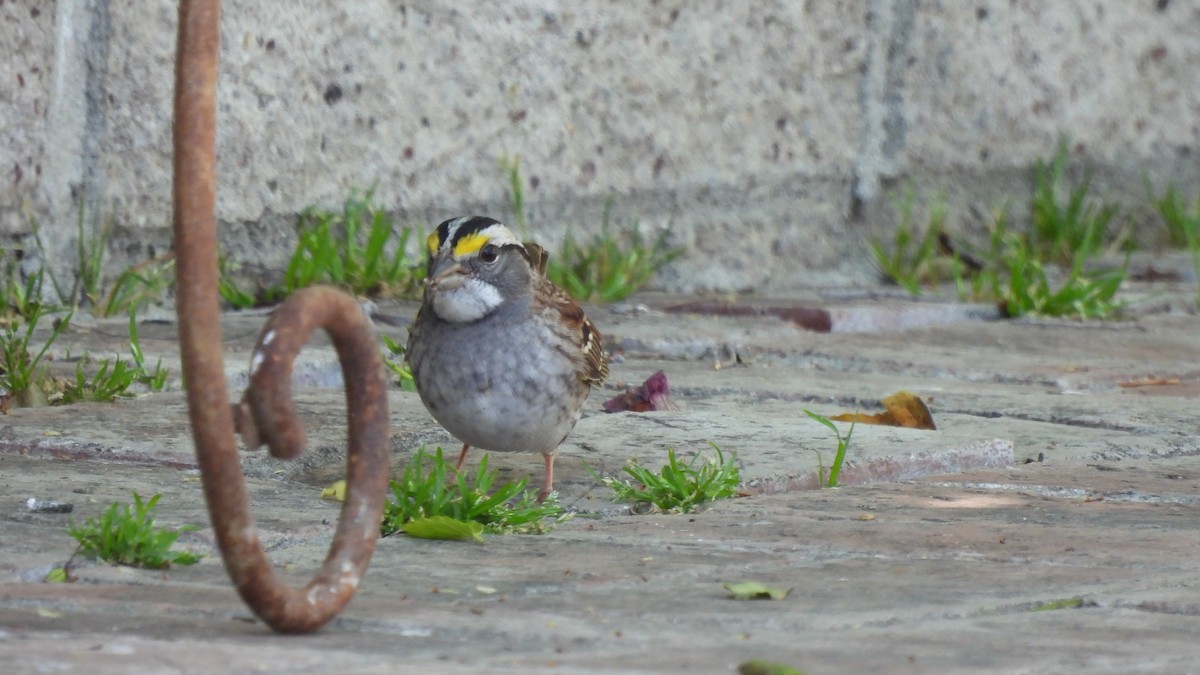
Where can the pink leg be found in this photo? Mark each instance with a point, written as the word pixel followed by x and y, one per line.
pixel 548 483
pixel 462 457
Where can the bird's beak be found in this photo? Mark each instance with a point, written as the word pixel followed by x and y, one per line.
pixel 447 275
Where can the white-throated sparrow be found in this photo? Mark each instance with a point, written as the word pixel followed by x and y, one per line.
pixel 502 358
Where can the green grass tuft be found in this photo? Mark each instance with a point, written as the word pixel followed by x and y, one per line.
pixel 27 379
pixel 1182 224
pixel 914 260
pixel 1047 269
pixel 425 490
pixel 609 267
pixel 22 374
pixel 358 250
pixel 1065 228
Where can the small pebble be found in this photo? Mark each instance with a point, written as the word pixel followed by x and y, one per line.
pixel 48 506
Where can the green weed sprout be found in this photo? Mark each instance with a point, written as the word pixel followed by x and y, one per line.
pixel 393 358
pixel 679 486
pixel 843 444
pixel 23 374
pixel 127 536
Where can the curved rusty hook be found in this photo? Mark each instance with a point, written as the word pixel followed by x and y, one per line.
pixel 285 609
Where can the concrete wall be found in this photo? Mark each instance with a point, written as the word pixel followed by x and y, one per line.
pixel 765 135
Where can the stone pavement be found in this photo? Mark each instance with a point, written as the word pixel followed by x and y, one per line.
pixel 1049 479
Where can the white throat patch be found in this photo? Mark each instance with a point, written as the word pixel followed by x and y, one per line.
pixel 472 301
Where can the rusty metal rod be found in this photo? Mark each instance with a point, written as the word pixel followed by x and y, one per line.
pixel 285 609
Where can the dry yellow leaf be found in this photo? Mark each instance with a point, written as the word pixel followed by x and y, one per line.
pixel 335 492
pixel 901 409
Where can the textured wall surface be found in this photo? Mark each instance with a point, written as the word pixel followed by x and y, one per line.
pixel 768 136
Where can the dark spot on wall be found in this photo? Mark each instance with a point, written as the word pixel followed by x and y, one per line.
pixel 425 121
pixel 333 94
pixel 674 15
pixel 348 68
pixel 1162 4
pixel 588 169
pixel 781 123
pixel 270 45
pixel 659 163
pixel 16 173
pixel 534 182
pixel 408 152
pixel 272 185
pixel 20 79
pixel 517 116
pixel 35 12
pixel 981 13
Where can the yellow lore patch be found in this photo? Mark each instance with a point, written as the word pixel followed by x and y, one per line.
pixel 431 243
pixel 469 244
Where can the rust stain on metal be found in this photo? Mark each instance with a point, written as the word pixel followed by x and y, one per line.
pixel 268 413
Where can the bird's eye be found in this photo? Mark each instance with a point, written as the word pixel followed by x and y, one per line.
pixel 489 253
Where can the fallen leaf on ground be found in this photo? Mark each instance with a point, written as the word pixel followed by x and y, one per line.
pixel 760 667
pixel 443 527
pixel 58 575
pixel 752 590
pixel 901 409
pixel 654 394
pixel 335 492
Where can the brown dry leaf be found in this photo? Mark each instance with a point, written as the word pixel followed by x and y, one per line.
pixel 861 418
pixel 909 410
pixel 901 409
pixel 1149 382
pixel 654 394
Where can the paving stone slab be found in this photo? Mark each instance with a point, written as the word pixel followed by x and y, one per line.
pixel 918 576
pixel 1065 466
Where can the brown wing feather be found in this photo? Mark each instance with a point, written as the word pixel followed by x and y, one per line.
pixel 538 257
pixel 594 367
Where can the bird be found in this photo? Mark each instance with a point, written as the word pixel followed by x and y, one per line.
pixel 501 357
